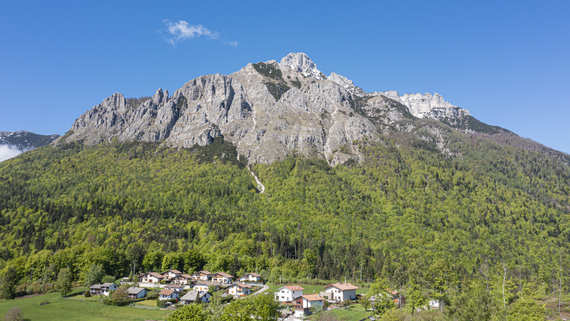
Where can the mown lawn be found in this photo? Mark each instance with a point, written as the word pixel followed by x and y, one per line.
pixel 76 309
pixel 354 312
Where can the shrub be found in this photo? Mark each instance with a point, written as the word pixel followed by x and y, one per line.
pixel 14 314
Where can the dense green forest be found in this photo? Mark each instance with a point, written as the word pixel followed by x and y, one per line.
pixel 492 217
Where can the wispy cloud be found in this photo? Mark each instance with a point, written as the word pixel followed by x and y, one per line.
pixel 182 30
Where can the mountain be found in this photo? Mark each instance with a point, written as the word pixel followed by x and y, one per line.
pixel 271 110
pixel 14 143
pixel 280 169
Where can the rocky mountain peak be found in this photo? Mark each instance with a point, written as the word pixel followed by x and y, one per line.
pixel 300 62
pixel 269 110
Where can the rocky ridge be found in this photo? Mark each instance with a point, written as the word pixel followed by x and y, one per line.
pixel 269 110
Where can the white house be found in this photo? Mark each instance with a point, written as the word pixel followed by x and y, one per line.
pixel 201 287
pixel 136 293
pixel 171 274
pixel 251 277
pixel 167 294
pixel 435 304
pixel 102 289
pixel 288 293
pixel 183 279
pixel 340 292
pixel 205 275
pixel 195 296
pixel 240 290
pixel 312 301
pixel 222 278
pixel 152 277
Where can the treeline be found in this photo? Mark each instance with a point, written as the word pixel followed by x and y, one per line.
pixel 408 215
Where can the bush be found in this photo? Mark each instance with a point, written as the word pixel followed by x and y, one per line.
pixel 14 314
pixel 108 279
pixel 191 312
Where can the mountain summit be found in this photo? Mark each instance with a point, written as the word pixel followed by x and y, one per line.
pixel 271 109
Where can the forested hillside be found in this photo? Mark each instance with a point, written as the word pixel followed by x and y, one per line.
pixel 409 215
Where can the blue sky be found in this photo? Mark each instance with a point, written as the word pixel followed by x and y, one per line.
pixel 508 62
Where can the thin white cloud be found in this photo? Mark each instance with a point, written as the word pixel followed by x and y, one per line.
pixel 182 30
pixel 7 152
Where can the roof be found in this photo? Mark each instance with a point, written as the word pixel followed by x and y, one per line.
pixel 342 286
pixel 134 290
pixel 312 297
pixel 241 285
pixel 293 287
pixel 95 286
pixel 186 276
pixel 156 275
pixel 107 285
pixel 190 296
pixel 175 271
pixel 203 284
pixel 166 292
pixel 224 274
pixel 252 274
pixel 205 272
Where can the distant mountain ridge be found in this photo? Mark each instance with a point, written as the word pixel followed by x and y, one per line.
pixel 14 143
pixel 269 110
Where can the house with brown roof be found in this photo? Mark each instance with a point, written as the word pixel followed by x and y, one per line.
pixel 167 294
pixel 183 279
pixel 288 293
pixel 152 277
pixel 205 275
pixel 171 274
pixel 340 292
pixel 222 278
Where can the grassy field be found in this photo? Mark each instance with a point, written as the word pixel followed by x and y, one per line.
pixel 354 312
pixel 76 309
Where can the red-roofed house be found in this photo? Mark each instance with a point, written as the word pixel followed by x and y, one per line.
pixel 288 293
pixel 152 277
pixel 340 292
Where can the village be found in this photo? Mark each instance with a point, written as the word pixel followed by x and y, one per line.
pixel 173 289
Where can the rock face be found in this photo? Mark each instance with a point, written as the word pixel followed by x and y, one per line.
pixel 267 110
pixel 14 143
pixel 427 105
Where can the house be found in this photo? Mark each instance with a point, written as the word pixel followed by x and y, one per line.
pixel 313 301
pixel 167 294
pixel 434 304
pixel 173 287
pixel 222 278
pixel 251 277
pixel 183 279
pixel 102 289
pixel 195 296
pixel 340 292
pixel 288 293
pixel 205 275
pixel 125 281
pixel 201 287
pixel 171 274
pixel 240 289
pixel 136 292
pixel 152 277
